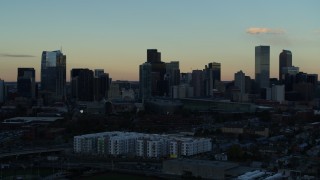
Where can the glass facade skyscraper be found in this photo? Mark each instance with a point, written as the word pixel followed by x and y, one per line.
pixel 145 71
pixel 212 74
pixel 172 75
pixel 2 91
pixel 285 60
pixel 240 81
pixel 82 84
pixel 262 66
pixel 53 75
pixel 26 83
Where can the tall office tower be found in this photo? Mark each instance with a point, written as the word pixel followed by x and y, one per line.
pixel 82 84
pixel 301 77
pixel 153 56
pixel 98 72
pixel 285 60
pixel 262 66
pixel 159 83
pixel 240 81
pixel 289 77
pixel 172 75
pixel 26 83
pixel 277 93
pixel 212 74
pixel 305 84
pixel 2 91
pixel 248 84
pixel 101 85
pixel 185 78
pixel 198 83
pixel 145 79
pixel 53 75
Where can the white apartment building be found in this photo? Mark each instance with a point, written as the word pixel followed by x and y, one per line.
pixel 189 146
pixel 152 146
pixel 122 144
pixel 142 145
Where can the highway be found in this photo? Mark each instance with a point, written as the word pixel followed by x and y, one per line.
pixel 31 151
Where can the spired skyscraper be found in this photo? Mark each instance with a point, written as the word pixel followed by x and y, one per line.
pixel 53 76
pixel 285 60
pixel 262 66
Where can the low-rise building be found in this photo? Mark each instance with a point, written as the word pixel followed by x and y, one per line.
pixel 203 168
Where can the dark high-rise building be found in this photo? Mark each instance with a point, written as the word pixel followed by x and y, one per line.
pixel 313 79
pixel 158 79
pixel 289 77
pixel 145 79
pixel 198 83
pixel 285 60
pixel 101 84
pixel 82 84
pixel 185 78
pixel 26 84
pixel 98 72
pixel 216 68
pixel 158 75
pixel 301 77
pixel 172 74
pixel 248 84
pixel 2 92
pixel 212 74
pixel 153 56
pixel 158 70
pixel 53 75
pixel 240 81
pixel 262 66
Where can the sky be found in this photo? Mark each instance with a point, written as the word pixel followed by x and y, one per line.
pixel 114 35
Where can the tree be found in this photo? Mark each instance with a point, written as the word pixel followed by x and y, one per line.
pixel 235 153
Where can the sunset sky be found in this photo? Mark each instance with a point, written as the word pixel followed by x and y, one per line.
pixel 115 34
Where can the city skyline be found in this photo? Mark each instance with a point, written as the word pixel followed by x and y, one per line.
pixel 114 35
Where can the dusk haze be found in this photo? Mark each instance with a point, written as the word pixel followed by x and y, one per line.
pixel 160 89
pixel 114 34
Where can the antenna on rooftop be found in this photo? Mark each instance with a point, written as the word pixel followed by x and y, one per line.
pixel 61 49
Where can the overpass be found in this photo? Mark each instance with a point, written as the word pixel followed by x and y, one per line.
pixel 31 151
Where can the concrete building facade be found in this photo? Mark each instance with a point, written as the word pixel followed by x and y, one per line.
pixel 141 145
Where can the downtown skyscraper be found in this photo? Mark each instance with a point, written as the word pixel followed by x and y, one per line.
pixel 240 81
pixel 156 76
pixel 82 82
pixel 145 80
pixel 212 74
pixel 262 66
pixel 285 60
pixel 2 91
pixel 26 82
pixel 53 76
pixel 101 84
